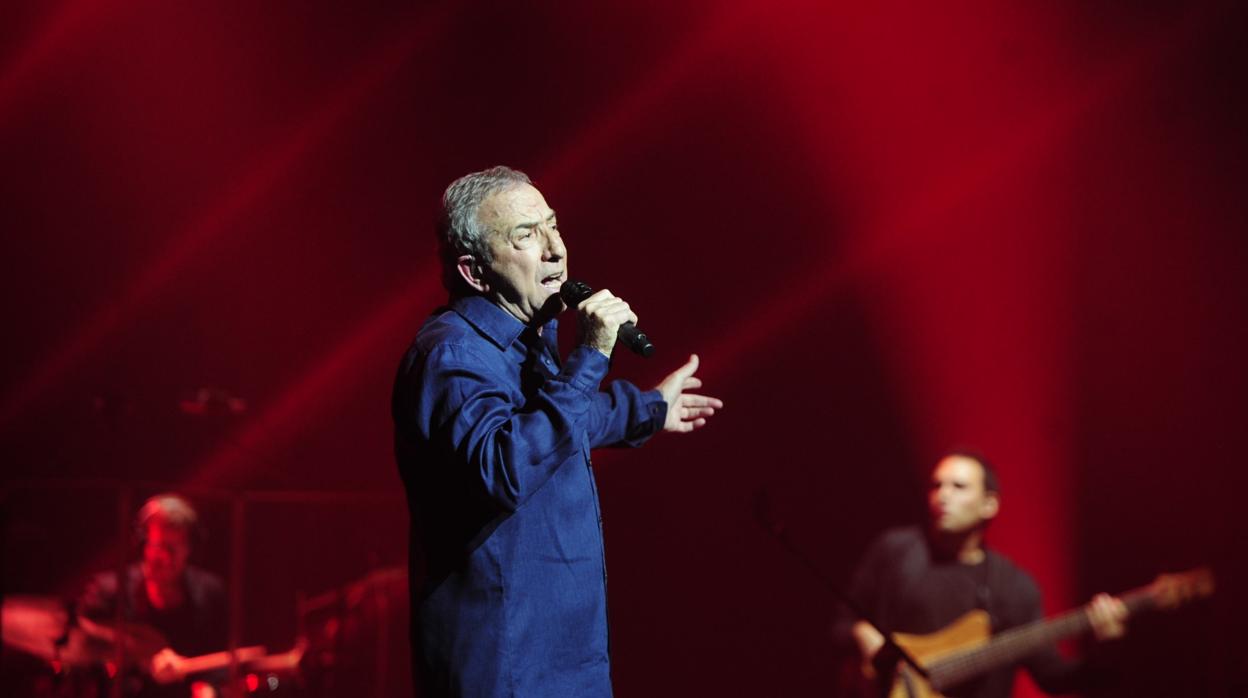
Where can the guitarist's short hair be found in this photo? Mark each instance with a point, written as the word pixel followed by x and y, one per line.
pixel 173 510
pixel 991 482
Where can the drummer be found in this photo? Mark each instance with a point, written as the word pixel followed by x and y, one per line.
pixel 183 603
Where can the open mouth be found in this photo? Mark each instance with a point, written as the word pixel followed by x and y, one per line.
pixel 553 282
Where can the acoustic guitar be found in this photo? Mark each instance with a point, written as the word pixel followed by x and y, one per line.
pixel 966 648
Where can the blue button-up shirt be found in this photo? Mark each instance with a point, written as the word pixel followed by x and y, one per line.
pixel 492 437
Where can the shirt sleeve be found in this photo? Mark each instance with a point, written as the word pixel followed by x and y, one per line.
pixel 864 589
pixel 211 611
pixel 623 415
pixel 466 404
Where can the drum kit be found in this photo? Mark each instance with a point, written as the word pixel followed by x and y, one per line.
pixel 351 641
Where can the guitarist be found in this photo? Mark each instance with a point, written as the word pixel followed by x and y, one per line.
pixel 915 581
pixel 183 603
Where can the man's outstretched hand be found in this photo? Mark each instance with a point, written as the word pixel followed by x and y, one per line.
pixel 686 411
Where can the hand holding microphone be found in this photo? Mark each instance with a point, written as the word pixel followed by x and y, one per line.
pixel 605 319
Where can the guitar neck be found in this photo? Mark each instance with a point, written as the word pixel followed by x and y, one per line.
pixel 1012 645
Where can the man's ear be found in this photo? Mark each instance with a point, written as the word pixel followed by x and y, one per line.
pixel 992 504
pixel 472 272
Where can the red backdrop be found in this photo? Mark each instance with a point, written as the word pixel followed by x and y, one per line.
pixel 887 231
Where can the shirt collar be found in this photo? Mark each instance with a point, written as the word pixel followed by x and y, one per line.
pixel 499 326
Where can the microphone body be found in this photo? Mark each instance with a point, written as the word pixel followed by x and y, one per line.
pixel 573 292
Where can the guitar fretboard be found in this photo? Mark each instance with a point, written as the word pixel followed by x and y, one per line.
pixel 1014 644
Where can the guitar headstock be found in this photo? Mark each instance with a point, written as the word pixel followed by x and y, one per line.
pixel 1173 590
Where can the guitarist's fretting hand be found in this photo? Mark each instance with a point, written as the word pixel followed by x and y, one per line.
pixel 1108 616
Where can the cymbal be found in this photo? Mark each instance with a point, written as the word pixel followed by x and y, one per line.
pixel 36 624
pixel 388 582
pixel 83 650
pixel 33 624
pixel 140 641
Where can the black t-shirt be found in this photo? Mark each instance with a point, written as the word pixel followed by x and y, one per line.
pixel 906 589
pixel 196 627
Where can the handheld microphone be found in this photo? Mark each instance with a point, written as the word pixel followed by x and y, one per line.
pixel 573 292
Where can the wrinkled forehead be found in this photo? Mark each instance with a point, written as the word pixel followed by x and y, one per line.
pixel 515 205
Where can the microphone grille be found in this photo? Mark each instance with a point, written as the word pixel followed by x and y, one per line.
pixel 573 292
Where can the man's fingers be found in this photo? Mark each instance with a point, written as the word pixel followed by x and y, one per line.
pixel 601 301
pixel 686 411
pixel 1110 606
pixel 1108 616
pixel 686 372
pixel 602 295
pixel 608 306
pixel 601 316
pixel 682 375
pixel 691 400
pixel 688 426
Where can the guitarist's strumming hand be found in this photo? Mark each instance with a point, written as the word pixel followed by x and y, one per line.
pixel 167 666
pixel 1108 616
pixel 869 641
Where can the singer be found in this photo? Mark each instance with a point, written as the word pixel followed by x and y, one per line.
pixel 493 433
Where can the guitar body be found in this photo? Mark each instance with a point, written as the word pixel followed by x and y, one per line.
pixel 967 632
pixel 967 649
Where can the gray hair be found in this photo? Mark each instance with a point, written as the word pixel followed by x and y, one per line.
pixel 459 228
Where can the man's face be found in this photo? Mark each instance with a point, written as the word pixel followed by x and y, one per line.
pixel 957 501
pixel 165 552
pixel 530 261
